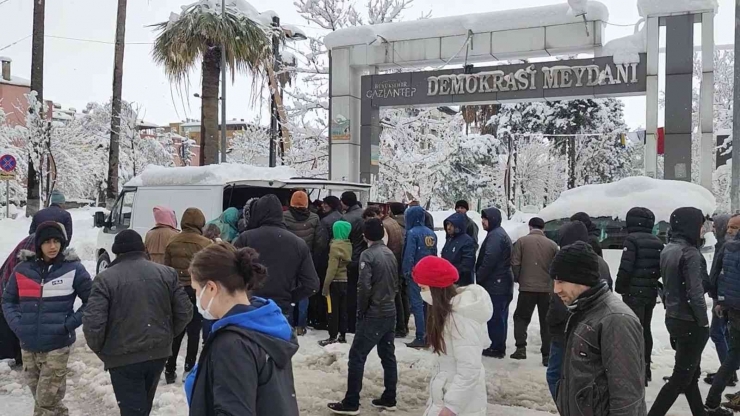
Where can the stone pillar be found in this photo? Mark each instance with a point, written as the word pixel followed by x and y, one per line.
pixel 707 100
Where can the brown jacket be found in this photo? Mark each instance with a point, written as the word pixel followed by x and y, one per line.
pixel 396 235
pixel 156 241
pixel 531 260
pixel 183 247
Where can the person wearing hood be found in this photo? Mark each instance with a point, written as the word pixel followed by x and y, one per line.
pixel 335 282
pixel 307 225
pixel 594 234
pixel 353 215
pixel 530 262
pixel 178 255
pixel 639 274
pixel 332 208
pixel 428 218
pixel 493 272
pixel 603 367
pixel 557 313
pixel 134 351
pixel 456 331
pixel 228 223
pixel 55 212
pixel 397 213
pixel 291 273
pixel 459 248
pixel 165 229
pixel 38 304
pixel 245 367
pixel 471 228
pixel 684 269
pixel 420 242
pixel 245 214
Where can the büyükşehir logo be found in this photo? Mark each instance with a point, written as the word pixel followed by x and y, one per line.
pixel 429 241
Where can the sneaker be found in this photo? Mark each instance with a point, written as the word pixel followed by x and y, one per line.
pixel 519 354
pixel 384 405
pixel 329 341
pixel 719 411
pixel 545 360
pixel 170 377
pixel 342 409
pixel 301 331
pixel 185 375
pixel 417 344
pixel 342 339
pixel 709 379
pixel 489 352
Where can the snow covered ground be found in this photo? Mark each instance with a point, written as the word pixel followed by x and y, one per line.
pixel 514 387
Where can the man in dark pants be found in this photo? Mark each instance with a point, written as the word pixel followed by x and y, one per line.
pixel 530 262
pixel 471 228
pixel 683 269
pixel 353 215
pixel 402 298
pixel 134 310
pixel 376 315
pixel 639 274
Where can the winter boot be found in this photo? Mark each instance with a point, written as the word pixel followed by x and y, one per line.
pixel 648 375
pixel 418 344
pixel 545 360
pixel 733 380
pixel 342 339
pixel 667 379
pixel 300 331
pixel 519 354
pixel 719 411
pixel 490 352
pixel 401 334
pixel 384 405
pixel 329 341
pixel 170 377
pixel 342 409
pixel 709 379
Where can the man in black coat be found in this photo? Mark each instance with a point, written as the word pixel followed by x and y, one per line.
pixel 291 273
pixel 353 215
pixel 471 228
pixel 639 274
pixel 594 234
pixel 135 310
pixel 56 213
pixel 332 208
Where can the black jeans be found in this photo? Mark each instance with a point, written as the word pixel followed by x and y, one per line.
pixel 193 331
pixel 644 311
pixel 523 316
pixel 372 332
pixel 689 340
pixel 403 308
pixel 338 315
pixel 135 385
pixel 726 371
pixel 353 274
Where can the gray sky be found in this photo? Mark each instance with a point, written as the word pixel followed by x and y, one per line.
pixel 79 72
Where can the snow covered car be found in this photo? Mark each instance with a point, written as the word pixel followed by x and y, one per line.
pixel 212 189
pixel 608 204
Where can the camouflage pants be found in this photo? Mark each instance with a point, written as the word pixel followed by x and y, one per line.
pixel 46 375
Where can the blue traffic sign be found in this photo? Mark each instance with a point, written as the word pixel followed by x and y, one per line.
pixel 7 163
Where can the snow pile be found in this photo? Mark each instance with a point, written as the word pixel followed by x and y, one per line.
pixel 209 175
pixel 237 7
pixel 615 199
pixel 578 7
pixel 627 50
pixel 662 7
pixel 459 25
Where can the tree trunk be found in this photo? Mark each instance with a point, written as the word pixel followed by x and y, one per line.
pixel 33 197
pixel 209 107
pixel 115 120
pixel 572 162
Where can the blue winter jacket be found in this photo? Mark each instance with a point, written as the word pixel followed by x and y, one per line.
pixel 459 249
pixel 420 240
pixel 38 302
pixel 53 213
pixel 493 269
pixel 728 283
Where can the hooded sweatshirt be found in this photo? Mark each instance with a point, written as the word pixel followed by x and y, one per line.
pixel 459 249
pixel 158 237
pixel 720 232
pixel 420 240
pixel 245 367
pixel 228 224
pixel 639 270
pixel 493 270
pixel 184 246
pixel 460 381
pixel 340 254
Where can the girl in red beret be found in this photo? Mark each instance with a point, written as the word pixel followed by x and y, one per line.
pixel 457 332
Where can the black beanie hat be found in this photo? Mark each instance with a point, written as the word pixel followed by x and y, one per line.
pixel 349 199
pixel 397 208
pixel 462 204
pixel 333 202
pixel 374 230
pixel 48 230
pixel 537 223
pixel 128 241
pixel 576 263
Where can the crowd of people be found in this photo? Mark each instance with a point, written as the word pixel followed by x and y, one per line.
pixel 253 280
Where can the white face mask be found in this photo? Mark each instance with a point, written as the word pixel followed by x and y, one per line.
pixel 426 296
pixel 204 312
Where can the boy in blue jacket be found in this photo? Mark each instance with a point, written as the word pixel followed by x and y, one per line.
pixel 39 306
pixel 420 242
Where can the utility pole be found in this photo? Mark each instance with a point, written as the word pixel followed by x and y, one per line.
pixel 33 196
pixel 274 86
pixel 111 192
pixel 735 187
pixel 223 90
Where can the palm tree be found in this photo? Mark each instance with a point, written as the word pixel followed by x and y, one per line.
pixel 197 36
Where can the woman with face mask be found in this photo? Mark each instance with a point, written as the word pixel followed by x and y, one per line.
pixel 245 366
pixel 457 333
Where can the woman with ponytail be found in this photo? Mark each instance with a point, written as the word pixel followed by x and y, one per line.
pixel 245 366
pixel 457 333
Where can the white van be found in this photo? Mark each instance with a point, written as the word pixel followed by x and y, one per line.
pixel 134 207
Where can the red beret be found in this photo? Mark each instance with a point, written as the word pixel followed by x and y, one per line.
pixel 435 271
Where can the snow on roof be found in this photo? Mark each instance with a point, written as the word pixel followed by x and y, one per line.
pixel 459 25
pixel 146 124
pixel 15 80
pixel 5 59
pixel 295 30
pixel 615 199
pixel 209 175
pixel 62 115
pixel 627 50
pixel 664 7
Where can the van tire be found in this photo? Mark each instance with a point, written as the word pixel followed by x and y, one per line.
pixel 103 263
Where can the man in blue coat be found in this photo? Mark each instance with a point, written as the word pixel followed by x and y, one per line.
pixel 56 213
pixel 420 242
pixel 493 272
pixel 459 248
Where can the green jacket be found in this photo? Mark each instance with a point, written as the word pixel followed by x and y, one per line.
pixel 340 255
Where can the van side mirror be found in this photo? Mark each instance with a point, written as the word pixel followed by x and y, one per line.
pixel 99 219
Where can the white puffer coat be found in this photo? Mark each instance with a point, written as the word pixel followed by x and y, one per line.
pixel 460 380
